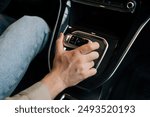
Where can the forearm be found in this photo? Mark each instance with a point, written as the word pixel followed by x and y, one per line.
pixel 37 91
pixel 48 88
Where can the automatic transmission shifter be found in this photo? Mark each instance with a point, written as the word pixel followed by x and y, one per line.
pixel 79 38
pixel 73 41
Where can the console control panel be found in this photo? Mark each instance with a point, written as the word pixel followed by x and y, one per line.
pixel 117 5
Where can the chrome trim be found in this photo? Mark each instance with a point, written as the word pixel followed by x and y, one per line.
pixel 129 46
pixel 52 38
pixel 54 31
pixel 66 28
pixel 132 5
pixel 69 97
pixel 126 51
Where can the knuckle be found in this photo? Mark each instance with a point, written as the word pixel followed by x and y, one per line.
pixel 83 74
pixel 79 61
pixel 90 46
pixel 82 67
pixel 67 58
pixel 75 53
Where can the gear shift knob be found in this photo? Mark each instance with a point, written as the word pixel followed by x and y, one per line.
pixel 79 38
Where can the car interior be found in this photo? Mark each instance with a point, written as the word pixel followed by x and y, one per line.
pixel 121 27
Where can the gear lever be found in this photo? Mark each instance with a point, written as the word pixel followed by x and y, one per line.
pixel 79 38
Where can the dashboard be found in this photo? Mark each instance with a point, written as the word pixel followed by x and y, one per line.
pixel 117 5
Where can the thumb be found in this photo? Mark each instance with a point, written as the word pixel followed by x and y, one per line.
pixel 59 43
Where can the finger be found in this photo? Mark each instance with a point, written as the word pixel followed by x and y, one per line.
pixel 91 56
pixel 89 65
pixel 90 72
pixel 59 43
pixel 87 48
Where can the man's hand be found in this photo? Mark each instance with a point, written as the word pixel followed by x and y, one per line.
pixel 75 65
pixel 71 67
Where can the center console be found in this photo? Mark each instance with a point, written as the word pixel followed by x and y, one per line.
pixel 107 22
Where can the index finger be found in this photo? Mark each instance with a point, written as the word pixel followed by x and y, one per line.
pixel 87 48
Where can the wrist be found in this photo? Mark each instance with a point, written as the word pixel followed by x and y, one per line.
pixel 54 83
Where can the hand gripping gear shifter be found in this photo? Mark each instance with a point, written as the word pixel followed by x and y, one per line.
pixel 79 38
